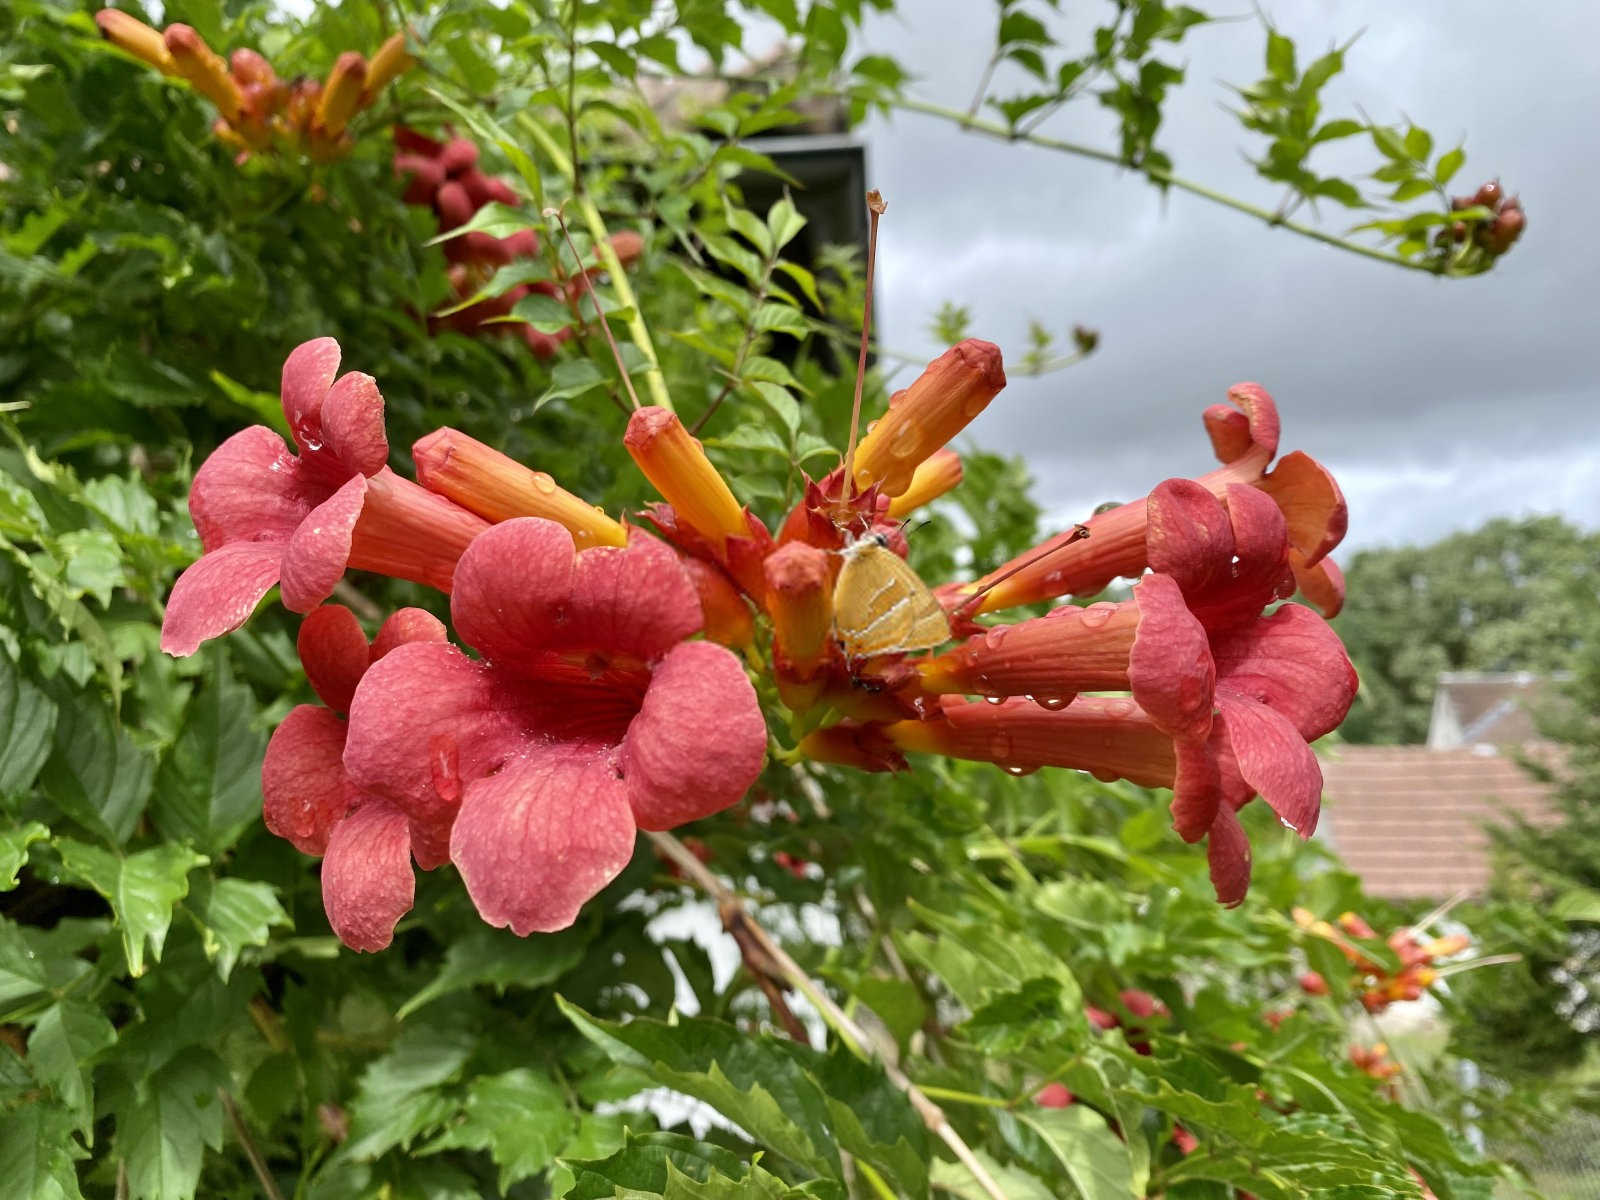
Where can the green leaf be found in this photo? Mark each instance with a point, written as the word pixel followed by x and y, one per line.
pixel 804 278
pixel 399 1097
pixel 14 843
pixel 954 1179
pixel 95 772
pixel 1577 904
pixel 499 959
pixel 1389 143
pixel 785 222
pixel 141 888
pixel 263 406
pixel 1018 27
pixel 1449 163
pixel 780 403
pixel 544 313
pixel 208 786
pixel 494 218
pixel 1410 190
pixel 165 1123
pixel 897 1002
pixel 1280 57
pixel 27 720
pixel 614 56
pixel 751 1081
pixel 62 1048
pixel 234 914
pixel 980 962
pixel 1084 1156
pixel 1332 130
pixel 752 229
pixel 571 378
pixel 22 973
pixel 1419 143
pixel 669 1164
pixel 37 1150
pixel 520 1118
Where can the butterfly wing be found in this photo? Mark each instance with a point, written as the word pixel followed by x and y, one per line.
pixel 880 606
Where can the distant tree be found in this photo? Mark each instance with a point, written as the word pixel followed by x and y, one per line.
pixel 1506 597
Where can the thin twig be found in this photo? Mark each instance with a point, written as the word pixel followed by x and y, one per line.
pixel 248 1145
pixel 1163 176
pixel 599 310
pixel 852 1035
pixel 763 970
pixel 875 209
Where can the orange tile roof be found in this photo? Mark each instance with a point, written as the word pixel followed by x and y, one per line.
pixel 1409 820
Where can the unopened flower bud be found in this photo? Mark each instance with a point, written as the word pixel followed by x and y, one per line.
pixel 800 597
pixel 341 95
pixel 675 463
pixel 205 70
pixel 132 35
pixel 955 388
pixel 389 61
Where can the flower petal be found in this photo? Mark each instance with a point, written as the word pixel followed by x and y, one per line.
pixel 249 490
pixel 1188 535
pixel 699 739
pixel 637 601
pixel 1322 584
pixel 334 652
pixel 217 593
pixel 352 424
pixel 307 375
pixel 406 625
pixel 1249 429
pixel 317 554
pixel 1293 662
pixel 426 720
pixel 1197 789
pixel 303 786
pixel 367 883
pixel 1312 503
pixel 1228 850
pixel 1169 668
pixel 536 841
pixel 1274 761
pixel 511 587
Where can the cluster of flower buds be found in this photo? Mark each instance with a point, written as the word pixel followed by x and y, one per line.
pixel 1494 233
pixel 1377 984
pixel 1374 1060
pixel 1218 702
pixel 257 111
pixel 444 177
pixel 588 714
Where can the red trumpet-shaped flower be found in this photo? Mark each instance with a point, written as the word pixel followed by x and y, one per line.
pixel 588 717
pixel 307 797
pixel 1245 438
pixel 1282 681
pixel 267 515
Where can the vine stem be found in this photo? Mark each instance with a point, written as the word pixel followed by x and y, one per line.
pixel 851 1034
pixel 1001 132
pixel 654 379
pixel 248 1144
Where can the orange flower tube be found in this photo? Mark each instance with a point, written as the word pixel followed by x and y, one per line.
pixel 799 595
pixel 939 473
pixel 955 388
pixel 138 39
pixel 497 488
pixel 204 69
pixel 341 95
pixel 675 463
pixel 389 61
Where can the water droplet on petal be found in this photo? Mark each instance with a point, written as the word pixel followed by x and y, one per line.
pixel 1097 615
pixel 994 699
pixel 1053 703
pixel 542 482
pixel 1000 745
pixel 1019 770
pixel 903 443
pixel 444 765
pixel 995 636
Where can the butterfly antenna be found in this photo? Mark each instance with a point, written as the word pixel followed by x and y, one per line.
pixel 1079 532
pixel 875 209
pixel 599 311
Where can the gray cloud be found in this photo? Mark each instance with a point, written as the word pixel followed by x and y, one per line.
pixel 1438 403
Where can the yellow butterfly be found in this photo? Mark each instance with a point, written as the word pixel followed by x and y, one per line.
pixel 880 606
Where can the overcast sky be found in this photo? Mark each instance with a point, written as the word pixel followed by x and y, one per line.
pixel 1438 403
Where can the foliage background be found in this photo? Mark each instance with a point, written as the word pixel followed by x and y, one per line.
pixel 177 1018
